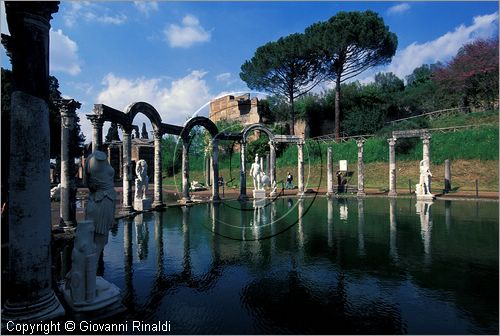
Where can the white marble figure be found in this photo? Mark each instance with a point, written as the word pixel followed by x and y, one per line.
pixel 81 280
pixel 142 180
pixel 255 170
pixel 55 193
pixel 101 202
pixel 422 188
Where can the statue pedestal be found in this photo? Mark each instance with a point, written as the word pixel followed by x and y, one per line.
pixel 107 301
pixel 259 193
pixel 142 204
pixel 421 195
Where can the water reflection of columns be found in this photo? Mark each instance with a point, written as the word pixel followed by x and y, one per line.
pixel 447 215
pixel 185 236
pixel 300 228
pixel 128 299
pixel 243 178
pixel 141 237
pixel 330 222
pixel 393 250
pixel 361 224
pixel 159 243
pixel 423 209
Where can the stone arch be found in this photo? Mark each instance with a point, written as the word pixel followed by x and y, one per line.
pixel 199 121
pixel 147 109
pixel 255 127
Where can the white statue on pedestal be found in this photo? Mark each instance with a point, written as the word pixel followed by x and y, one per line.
pixel 84 291
pixel 422 189
pixel 255 170
pixel 142 180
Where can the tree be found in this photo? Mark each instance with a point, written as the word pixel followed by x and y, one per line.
pixel 472 74
pixel 112 134
pixel 287 68
pixel 422 93
pixel 350 43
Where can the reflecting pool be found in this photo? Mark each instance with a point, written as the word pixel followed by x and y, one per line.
pixel 314 265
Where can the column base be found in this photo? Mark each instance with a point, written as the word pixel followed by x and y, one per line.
pixel 273 193
pixel 158 205
pixel 67 226
pixel 259 193
pixel 45 309
pixel 142 204
pixel 185 200
pixel 125 210
pixel 425 197
pixel 215 198
pixel 300 193
pixel 243 198
pixel 329 194
pixel 392 194
pixel 360 194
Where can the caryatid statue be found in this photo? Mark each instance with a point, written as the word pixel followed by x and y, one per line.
pixel 142 180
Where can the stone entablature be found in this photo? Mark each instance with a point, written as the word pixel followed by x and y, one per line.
pixel 235 108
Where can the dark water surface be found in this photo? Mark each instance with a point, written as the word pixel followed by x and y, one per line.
pixel 375 266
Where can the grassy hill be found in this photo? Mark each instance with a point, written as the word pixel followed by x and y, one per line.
pixel 473 151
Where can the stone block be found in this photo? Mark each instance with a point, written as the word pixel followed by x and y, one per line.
pixel 142 204
pixel 260 193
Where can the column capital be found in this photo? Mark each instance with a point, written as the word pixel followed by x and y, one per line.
pixel 360 142
pixel 157 133
pixel 97 121
pixel 426 138
pixel 68 106
pixel 391 141
pixel 127 129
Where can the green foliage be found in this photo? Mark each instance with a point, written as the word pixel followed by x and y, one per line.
pixel 171 154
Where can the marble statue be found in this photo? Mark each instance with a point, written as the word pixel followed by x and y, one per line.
pixel 142 180
pixel 101 202
pixel 255 170
pixel 422 189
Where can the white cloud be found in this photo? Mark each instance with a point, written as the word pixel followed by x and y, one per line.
pixel 90 12
pixel 146 7
pixel 444 47
pixel 187 34
pixel 63 53
pixel 398 9
pixel 3 20
pixel 223 77
pixel 175 102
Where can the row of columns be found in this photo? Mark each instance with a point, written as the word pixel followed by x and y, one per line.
pixel 127 176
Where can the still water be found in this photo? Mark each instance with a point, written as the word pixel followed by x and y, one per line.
pixel 316 266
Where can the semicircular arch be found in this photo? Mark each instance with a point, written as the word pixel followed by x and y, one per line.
pixel 199 121
pixel 145 108
pixel 257 127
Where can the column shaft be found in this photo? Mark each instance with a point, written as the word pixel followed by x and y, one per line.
pixel 361 169
pixel 392 166
pixel 127 169
pixel 215 165
pixel 300 159
pixel 447 176
pixel 158 195
pixel 329 171
pixel 185 170
pixel 243 176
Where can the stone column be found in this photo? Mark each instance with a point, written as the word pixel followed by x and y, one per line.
pixel 97 124
pixel 208 180
pixel 29 296
pixel 329 172
pixel 215 169
pixel 68 188
pixel 272 165
pixel 426 141
pixel 127 169
pixel 392 167
pixel 300 159
pixel 158 195
pixel 243 176
pixel 447 176
pixel 361 169
pixel 185 170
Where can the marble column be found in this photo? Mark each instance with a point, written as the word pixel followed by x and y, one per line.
pixel 272 165
pixel 361 169
pixel 392 167
pixel 127 169
pixel 215 169
pixel 29 293
pixel 447 176
pixel 185 171
pixel 67 207
pixel 157 195
pixel 300 159
pixel 243 176
pixel 329 172
pixel 208 180
pixel 426 141
pixel 97 124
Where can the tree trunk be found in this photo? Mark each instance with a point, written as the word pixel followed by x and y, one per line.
pixel 337 108
pixel 292 115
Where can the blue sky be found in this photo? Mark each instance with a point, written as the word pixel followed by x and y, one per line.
pixel 179 55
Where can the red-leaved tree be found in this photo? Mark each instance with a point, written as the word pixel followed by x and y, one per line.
pixel 472 75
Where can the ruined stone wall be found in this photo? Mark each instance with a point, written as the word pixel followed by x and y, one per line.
pixel 235 108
